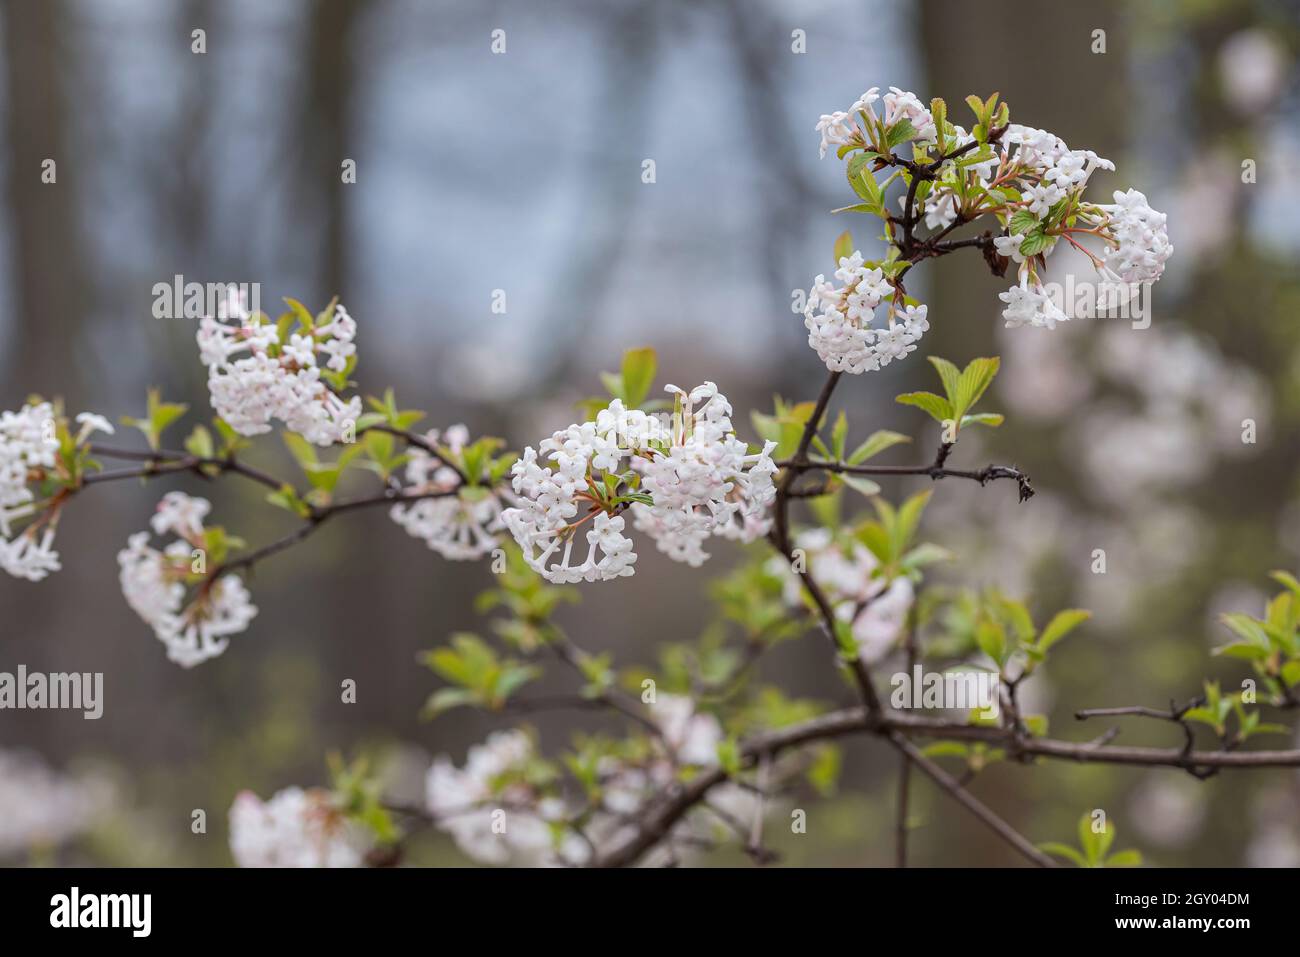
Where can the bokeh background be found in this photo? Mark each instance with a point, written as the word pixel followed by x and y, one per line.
pixel 522 172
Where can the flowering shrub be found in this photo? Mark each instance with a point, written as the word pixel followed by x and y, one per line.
pixel 709 750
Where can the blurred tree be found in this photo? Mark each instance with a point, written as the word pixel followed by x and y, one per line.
pixel 49 287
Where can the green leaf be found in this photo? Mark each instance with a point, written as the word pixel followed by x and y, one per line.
pixel 792 422
pixel 876 443
pixel 380 446
pixel 946 749
pixel 729 756
pixel 843 246
pixel 1243 650
pixel 1015 614
pixel 1035 724
pixel 512 678
pixel 302 450
pixel 824 772
pixel 1063 850
pixel 900 132
pixel 925 554
pixel 199 443
pixel 613 383
pixel 1287 579
pixel 1022 223
pixel 1244 626
pixel 937 406
pixel 767 426
pixel 288 499
pixel 638 375
pixel 992 640
pixel 1202 716
pixel 939 110
pixel 158 415
pixel 445 699
pixel 1062 623
pixel 301 313
pixel 839 436
pixel 1268 728
pixel 1035 243
pixel 859 171
pixel 991 419
pixel 1095 844
pixel 949 374
pixel 975 378
pixel 863 486
pixel 908 517
pixel 1129 858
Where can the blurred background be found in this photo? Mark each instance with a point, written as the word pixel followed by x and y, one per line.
pixel 522 172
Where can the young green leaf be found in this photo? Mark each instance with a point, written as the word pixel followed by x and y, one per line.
pixel 939 408
pixel 843 248
pixel 638 375
pixel 876 443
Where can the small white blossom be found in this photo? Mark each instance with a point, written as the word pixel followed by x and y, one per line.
pixel 838 320
pixel 154 585
pixel 43 808
pixel 467 803
pixel 1009 246
pixel 30 557
pixel 839 127
pixel 1030 306
pixel 836 129
pixel 295 828
pixel 91 423
pixel 27 444
pixel 460 524
pixel 1140 245
pixel 849 574
pixel 693 736
pixel 181 515
pixel 253 378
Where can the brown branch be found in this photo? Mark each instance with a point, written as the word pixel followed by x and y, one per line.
pixel 971 803
pixel 167 461
pixel 662 815
pixel 934 471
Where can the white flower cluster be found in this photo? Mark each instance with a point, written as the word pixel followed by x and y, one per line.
pixel 30 557
pixel 295 828
pixel 1141 239
pixel 842 128
pixel 1030 171
pixel 28 444
pixel 877 609
pixel 1046 172
pixel 461 526
pixel 839 319
pixel 154 585
pixel 41 808
pixel 253 377
pixel 702 480
pixel 550 497
pixel 705 483
pixel 496 816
